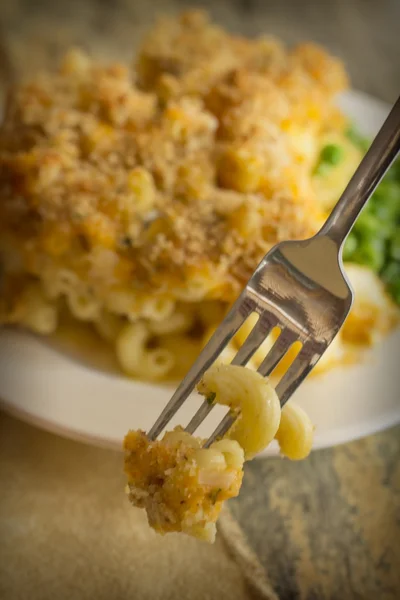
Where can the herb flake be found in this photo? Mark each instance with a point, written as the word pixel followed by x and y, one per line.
pixel 211 397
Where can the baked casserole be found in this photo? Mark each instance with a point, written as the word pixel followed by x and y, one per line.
pixel 140 197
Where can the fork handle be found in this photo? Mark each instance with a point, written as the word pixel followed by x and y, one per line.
pixel 370 171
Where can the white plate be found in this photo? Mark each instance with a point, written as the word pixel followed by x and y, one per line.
pixel 44 383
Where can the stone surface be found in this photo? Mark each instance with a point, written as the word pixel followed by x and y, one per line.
pixel 329 526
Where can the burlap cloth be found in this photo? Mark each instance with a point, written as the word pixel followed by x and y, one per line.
pixel 68 531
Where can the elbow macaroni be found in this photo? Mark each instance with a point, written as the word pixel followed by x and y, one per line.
pixel 83 307
pixel 178 322
pixel 249 395
pixel 38 314
pixel 295 432
pixel 31 309
pixel 136 358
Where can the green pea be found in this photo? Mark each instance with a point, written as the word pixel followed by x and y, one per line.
pixel 371 252
pixel 332 154
pixel 350 247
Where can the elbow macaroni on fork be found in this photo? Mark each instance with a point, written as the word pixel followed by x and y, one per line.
pixel 260 417
pixel 182 485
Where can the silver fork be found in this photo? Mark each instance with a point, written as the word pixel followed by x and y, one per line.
pixel 300 287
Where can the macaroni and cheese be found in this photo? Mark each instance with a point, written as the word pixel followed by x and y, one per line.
pixel 182 485
pixel 141 197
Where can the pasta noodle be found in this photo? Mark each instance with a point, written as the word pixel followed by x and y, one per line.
pixel 196 288
pixel 30 308
pixel 83 307
pixel 134 356
pixel 38 314
pixel 123 302
pixel 295 433
pixel 158 309
pixel 57 283
pixel 178 322
pixel 252 397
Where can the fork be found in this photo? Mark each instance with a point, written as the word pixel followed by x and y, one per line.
pixel 299 287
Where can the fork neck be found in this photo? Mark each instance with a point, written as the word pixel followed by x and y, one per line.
pixel 370 171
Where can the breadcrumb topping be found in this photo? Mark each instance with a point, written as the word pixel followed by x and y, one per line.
pixel 181 486
pixel 183 165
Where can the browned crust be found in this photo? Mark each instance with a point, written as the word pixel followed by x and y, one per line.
pixel 206 115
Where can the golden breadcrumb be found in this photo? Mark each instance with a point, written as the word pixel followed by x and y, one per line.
pixel 185 165
pixel 181 486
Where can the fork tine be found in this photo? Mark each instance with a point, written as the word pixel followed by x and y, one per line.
pixel 258 334
pixel 199 417
pixel 260 331
pixel 286 338
pixel 296 373
pixel 234 319
pixel 222 428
